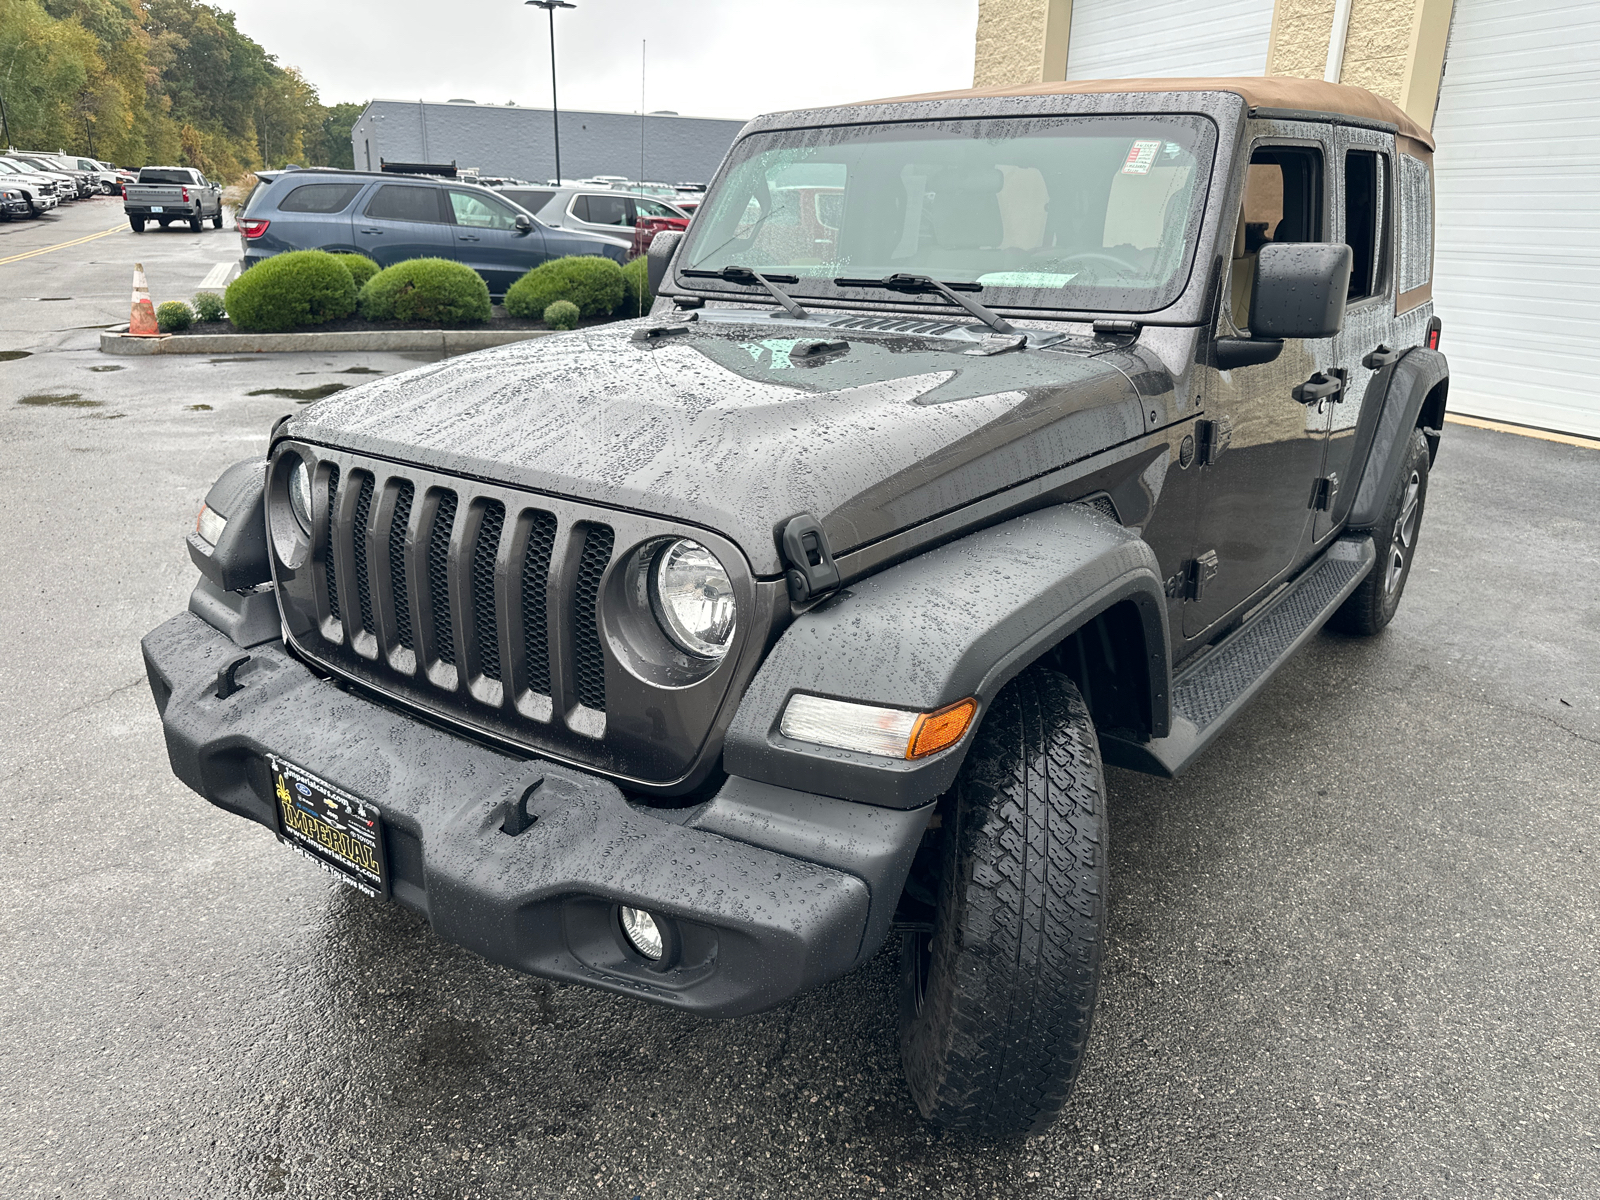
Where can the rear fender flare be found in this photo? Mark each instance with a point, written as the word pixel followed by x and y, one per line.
pixel 960 620
pixel 1411 381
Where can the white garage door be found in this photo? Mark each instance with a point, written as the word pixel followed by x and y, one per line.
pixel 1517 269
pixel 1143 39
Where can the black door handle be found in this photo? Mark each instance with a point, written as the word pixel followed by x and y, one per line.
pixel 1318 388
pixel 1380 358
pixel 378 232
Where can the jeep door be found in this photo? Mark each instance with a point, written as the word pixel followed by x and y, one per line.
pixel 401 221
pixel 487 239
pixel 1260 450
pixel 1364 192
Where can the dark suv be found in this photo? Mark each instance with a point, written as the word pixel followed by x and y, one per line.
pixel 974 440
pixel 391 218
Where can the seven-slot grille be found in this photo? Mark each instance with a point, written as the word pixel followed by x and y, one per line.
pixel 445 590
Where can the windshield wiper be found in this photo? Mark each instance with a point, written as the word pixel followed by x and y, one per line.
pixel 922 284
pixel 746 276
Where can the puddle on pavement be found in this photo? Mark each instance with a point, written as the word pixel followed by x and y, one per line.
pixel 68 400
pixel 346 371
pixel 304 395
pixel 198 408
pixel 107 367
pixel 106 416
pixel 248 358
pixel 13 355
pixel 47 299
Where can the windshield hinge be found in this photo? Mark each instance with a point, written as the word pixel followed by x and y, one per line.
pixel 811 569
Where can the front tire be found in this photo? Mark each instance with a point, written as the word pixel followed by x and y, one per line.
pixel 1373 604
pixel 996 1004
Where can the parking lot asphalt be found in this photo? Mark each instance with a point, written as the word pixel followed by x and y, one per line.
pixel 1353 952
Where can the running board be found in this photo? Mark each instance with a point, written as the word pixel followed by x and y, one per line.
pixel 1210 693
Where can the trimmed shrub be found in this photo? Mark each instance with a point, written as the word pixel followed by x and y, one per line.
pixel 636 295
pixel 173 316
pixel 302 287
pixel 594 284
pixel 208 307
pixel 434 290
pixel 563 314
pixel 361 268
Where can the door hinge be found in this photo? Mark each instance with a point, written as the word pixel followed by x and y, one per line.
pixel 1191 580
pixel 1211 439
pixel 811 569
pixel 1323 492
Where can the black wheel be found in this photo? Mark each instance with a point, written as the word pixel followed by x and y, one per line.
pixel 136 224
pixel 1372 605
pixel 197 224
pixel 216 221
pixel 996 1004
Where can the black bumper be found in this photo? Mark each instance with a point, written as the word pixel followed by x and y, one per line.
pixel 767 892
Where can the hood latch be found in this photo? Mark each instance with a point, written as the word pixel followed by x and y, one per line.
pixel 812 570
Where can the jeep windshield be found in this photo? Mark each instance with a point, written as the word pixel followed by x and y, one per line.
pixel 1082 213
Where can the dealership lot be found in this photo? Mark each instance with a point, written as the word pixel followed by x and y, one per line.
pixel 1353 954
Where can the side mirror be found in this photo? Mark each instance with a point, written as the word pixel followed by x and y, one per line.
pixel 1300 290
pixel 662 247
pixel 523 222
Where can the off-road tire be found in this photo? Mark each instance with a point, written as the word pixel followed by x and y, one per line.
pixel 1373 604
pixel 136 224
pixel 996 1004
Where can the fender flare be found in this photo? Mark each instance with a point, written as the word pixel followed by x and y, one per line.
pixel 960 620
pixel 1411 380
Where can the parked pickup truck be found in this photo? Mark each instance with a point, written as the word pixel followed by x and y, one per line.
pixel 168 194
pixel 974 440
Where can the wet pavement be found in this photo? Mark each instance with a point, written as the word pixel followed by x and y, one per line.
pixel 1353 952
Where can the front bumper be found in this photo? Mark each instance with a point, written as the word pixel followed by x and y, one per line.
pixel 766 892
pixel 15 208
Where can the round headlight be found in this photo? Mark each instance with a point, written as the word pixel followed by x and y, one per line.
pixel 693 599
pixel 300 493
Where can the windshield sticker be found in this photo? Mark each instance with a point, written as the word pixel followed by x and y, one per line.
pixel 1028 279
pixel 1140 157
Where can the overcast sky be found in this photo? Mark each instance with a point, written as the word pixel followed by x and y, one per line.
pixel 706 58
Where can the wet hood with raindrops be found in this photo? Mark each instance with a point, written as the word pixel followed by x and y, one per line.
pixel 735 427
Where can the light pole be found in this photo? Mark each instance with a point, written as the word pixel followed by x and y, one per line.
pixel 550 7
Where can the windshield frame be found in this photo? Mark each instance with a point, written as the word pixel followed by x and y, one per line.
pixel 1209 148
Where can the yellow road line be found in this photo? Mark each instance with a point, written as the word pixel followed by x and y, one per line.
pixel 1544 435
pixel 62 245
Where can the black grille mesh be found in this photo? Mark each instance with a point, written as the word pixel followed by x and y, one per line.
pixel 591 663
pixel 439 577
pixel 484 620
pixel 333 578
pixel 397 564
pixel 363 590
pixel 535 582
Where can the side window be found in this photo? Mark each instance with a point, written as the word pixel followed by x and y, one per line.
pixel 653 208
pixel 1282 203
pixel 1416 224
pixel 604 210
pixel 481 212
pixel 1367 221
pixel 320 198
pixel 405 202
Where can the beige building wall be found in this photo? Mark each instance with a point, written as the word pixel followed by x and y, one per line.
pixel 1392 47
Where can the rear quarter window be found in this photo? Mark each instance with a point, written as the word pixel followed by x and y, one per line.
pixel 319 197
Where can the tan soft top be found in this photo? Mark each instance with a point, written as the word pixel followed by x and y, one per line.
pixel 1258 91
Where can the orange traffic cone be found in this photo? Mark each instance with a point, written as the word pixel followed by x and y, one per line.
pixel 142 317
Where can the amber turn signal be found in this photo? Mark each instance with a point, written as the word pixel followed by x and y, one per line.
pixel 938 730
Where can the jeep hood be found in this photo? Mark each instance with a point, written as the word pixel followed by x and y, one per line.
pixel 736 428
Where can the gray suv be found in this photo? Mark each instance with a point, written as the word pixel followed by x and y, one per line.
pixel 392 218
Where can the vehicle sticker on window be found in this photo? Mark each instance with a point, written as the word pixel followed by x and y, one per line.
pixel 1140 157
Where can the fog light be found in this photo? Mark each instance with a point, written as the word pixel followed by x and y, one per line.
pixel 642 932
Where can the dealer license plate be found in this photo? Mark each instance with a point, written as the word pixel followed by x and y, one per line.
pixel 156 208
pixel 339 832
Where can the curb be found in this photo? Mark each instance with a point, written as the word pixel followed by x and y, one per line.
pixel 447 342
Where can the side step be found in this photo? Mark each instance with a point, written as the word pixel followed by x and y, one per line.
pixel 1210 693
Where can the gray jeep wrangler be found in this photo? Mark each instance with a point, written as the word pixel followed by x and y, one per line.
pixel 973 440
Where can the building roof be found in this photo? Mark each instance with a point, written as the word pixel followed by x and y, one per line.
pixel 1281 92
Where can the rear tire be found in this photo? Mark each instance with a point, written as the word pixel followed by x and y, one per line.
pixel 996 1004
pixel 216 221
pixel 136 224
pixel 197 224
pixel 1373 604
